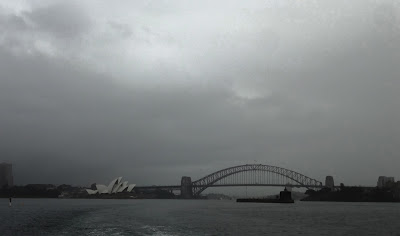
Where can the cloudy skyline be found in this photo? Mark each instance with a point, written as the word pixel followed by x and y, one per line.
pixel 155 90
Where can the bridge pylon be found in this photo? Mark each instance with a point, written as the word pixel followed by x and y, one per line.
pixel 330 183
pixel 186 187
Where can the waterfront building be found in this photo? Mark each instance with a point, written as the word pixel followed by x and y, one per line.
pixel 115 186
pixel 383 181
pixel 6 175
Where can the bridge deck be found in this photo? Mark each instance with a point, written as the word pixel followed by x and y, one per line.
pixel 177 187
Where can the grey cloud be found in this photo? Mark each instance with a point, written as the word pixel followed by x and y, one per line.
pixel 123 29
pixel 63 20
pixel 12 22
pixel 44 30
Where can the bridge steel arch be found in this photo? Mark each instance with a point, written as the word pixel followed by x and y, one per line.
pixel 202 184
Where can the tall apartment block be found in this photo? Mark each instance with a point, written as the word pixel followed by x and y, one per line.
pixel 6 176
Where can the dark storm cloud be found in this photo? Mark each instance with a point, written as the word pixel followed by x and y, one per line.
pixel 326 106
pixel 55 116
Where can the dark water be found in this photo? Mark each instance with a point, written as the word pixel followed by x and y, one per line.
pixel 195 217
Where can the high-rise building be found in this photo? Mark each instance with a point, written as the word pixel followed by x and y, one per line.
pixel 383 181
pixel 6 176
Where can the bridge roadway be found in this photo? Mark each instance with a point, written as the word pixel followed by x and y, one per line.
pixel 178 187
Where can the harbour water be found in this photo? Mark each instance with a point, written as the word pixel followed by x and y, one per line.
pixel 195 217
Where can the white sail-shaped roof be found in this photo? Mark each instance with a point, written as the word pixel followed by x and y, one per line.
pixel 91 192
pixel 130 187
pixel 115 186
pixel 123 187
pixel 101 188
pixel 112 184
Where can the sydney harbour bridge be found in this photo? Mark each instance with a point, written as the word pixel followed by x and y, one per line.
pixel 243 175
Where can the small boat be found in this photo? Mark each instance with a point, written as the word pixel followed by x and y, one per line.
pixel 285 196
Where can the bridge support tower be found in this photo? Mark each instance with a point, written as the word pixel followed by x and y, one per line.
pixel 186 188
pixel 329 183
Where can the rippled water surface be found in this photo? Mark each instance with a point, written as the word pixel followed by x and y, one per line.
pixel 195 217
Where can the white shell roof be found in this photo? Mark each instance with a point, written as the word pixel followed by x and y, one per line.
pixel 130 187
pixel 115 186
pixel 112 183
pixel 90 191
pixel 123 186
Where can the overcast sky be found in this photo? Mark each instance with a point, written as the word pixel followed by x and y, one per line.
pixel 154 90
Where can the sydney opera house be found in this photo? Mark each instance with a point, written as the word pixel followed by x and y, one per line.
pixel 116 186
